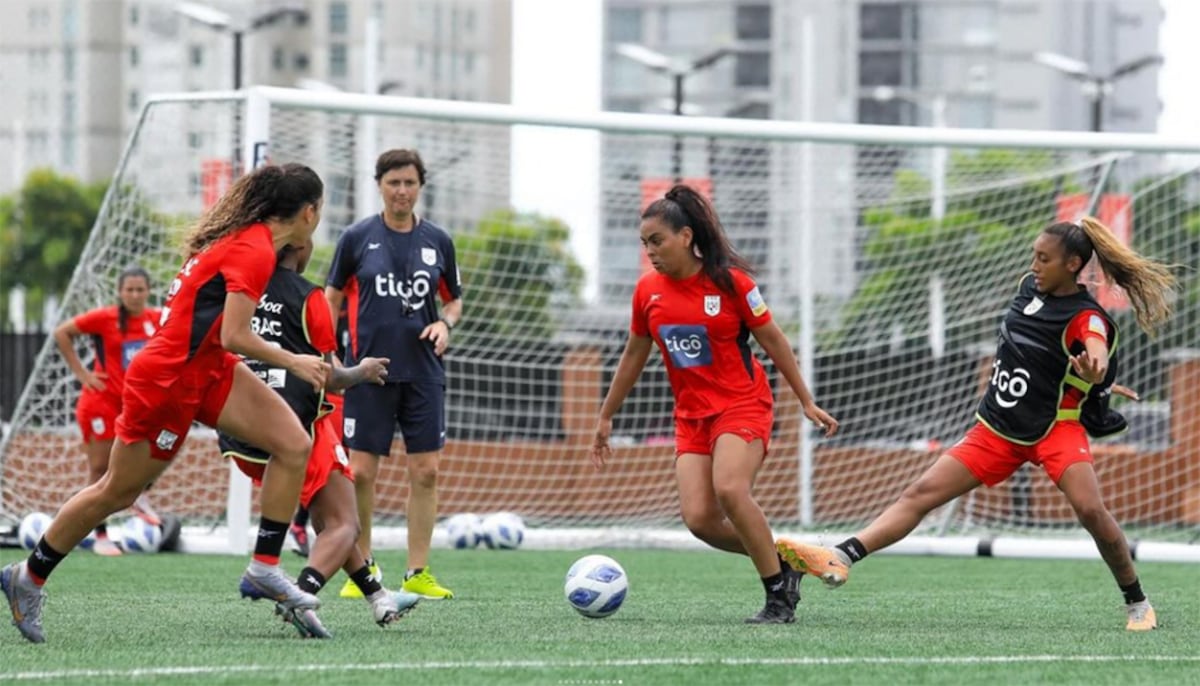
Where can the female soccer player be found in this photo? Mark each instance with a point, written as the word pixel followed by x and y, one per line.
pixel 118 332
pixel 1050 386
pixel 293 315
pixel 188 371
pixel 698 306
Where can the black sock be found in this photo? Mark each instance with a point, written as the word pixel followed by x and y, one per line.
pixel 102 530
pixel 773 584
pixel 42 561
pixel 310 580
pixel 366 582
pixel 853 548
pixel 270 537
pixel 413 572
pixel 301 518
pixel 1133 592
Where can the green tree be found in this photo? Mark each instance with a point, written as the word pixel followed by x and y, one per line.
pixel 518 273
pixel 43 228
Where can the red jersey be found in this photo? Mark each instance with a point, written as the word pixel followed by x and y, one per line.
pixel 115 348
pixel 190 327
pixel 703 333
pixel 1085 325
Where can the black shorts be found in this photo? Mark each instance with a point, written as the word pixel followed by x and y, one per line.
pixel 372 413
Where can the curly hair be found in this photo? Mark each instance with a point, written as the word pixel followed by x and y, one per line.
pixel 267 192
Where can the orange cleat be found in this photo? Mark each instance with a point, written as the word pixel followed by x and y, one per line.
pixel 1141 616
pixel 823 563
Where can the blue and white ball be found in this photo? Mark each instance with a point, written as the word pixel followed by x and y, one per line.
pixel 464 530
pixel 596 586
pixel 31 529
pixel 503 531
pixel 139 536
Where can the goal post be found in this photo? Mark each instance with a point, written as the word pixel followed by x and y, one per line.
pixel 887 254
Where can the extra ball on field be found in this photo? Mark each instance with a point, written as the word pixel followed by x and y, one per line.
pixel 30 531
pixel 464 530
pixel 596 586
pixel 139 536
pixel 503 531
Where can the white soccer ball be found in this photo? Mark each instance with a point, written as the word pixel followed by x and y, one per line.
pixel 503 531
pixel 596 586
pixel 139 536
pixel 464 530
pixel 32 527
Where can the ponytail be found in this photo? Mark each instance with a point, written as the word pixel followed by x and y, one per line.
pixel 683 206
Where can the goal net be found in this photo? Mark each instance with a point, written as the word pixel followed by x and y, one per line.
pixel 887 256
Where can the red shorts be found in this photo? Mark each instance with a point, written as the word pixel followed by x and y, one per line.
pixel 97 416
pixel 163 416
pixel 327 456
pixel 749 420
pixel 993 459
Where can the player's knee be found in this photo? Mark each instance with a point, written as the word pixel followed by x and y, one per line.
pixel 731 495
pixel 293 450
pixel 424 476
pixel 701 521
pixel 1092 515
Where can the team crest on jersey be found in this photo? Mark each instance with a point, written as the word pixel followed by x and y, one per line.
pixel 148 327
pixel 166 440
pixel 712 305
pixel 348 427
pixel 1033 306
pixel 429 256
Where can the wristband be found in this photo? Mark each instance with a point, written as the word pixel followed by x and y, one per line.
pixel 449 326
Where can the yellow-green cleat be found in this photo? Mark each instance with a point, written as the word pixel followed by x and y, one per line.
pixel 426 585
pixel 351 589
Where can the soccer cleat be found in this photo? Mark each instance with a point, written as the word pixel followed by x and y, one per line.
pixel 299 536
pixel 426 585
pixel 392 605
pixel 776 611
pixel 274 585
pixel 141 507
pixel 1141 616
pixel 823 563
pixel 351 589
pixel 25 599
pixel 103 545
pixel 306 622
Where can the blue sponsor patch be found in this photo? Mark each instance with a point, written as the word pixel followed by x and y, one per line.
pixel 686 344
pixel 128 350
pixel 754 299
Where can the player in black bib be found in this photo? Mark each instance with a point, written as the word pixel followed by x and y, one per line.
pixel 1050 386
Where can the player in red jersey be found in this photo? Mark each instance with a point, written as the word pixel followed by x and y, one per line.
pixel 188 371
pixel 1051 382
pixel 699 306
pixel 118 332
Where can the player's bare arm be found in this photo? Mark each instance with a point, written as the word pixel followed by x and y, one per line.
pixel 775 343
pixel 633 360
pixel 370 370
pixel 238 337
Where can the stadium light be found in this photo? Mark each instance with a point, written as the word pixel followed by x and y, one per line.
pixel 678 70
pixel 1095 86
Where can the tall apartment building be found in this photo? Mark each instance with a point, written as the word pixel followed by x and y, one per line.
pixel 76 72
pixel 877 61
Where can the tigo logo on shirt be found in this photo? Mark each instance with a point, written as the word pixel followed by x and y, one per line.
pixel 687 345
pixel 754 299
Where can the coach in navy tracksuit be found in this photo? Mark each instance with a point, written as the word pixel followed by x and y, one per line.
pixel 393 268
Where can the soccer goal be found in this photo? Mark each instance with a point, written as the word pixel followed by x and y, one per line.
pixel 887 254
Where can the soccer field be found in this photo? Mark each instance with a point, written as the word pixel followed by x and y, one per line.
pixel 178 620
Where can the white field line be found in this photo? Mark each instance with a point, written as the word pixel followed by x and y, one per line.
pixel 538 665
